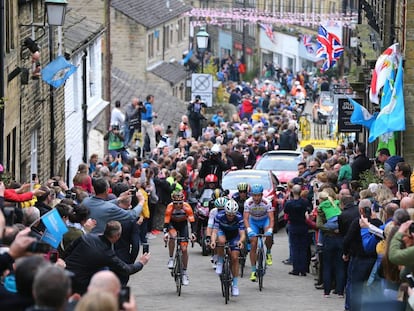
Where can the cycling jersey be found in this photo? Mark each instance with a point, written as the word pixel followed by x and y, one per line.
pixel 258 211
pixel 228 226
pixel 177 219
pixel 211 216
pixel 236 197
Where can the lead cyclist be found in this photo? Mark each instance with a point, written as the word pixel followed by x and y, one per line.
pixel 258 215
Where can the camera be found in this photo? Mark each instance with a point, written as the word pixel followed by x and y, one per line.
pixel 55 184
pixel 70 195
pixel 123 296
pixel 133 190
pixel 401 188
pixel 410 279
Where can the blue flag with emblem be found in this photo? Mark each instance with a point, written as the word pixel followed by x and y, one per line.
pixel 360 115
pixel 58 71
pixel 392 115
pixel 55 228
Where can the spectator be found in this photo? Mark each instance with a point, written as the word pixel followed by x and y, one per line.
pixel 97 301
pixel 103 211
pixel 389 161
pixel 51 289
pixel 218 118
pixel 93 161
pixel 403 172
pixel 288 139
pixel 133 119
pixel 195 115
pixel 91 253
pixel 82 178
pixel 147 127
pixel 116 143
pixel 361 162
pixel 117 116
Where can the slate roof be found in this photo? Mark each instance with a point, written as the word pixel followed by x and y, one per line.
pixel 79 30
pixel 171 72
pixel 169 108
pixel 151 13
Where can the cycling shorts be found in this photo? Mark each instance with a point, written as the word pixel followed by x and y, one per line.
pixel 232 238
pixel 256 225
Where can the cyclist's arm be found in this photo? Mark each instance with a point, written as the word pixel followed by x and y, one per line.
pixel 190 217
pixel 167 217
pixel 246 215
pixel 271 216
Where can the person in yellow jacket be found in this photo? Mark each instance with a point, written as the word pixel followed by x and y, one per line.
pixel 143 219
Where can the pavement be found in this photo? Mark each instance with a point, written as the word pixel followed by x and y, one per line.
pixel 154 287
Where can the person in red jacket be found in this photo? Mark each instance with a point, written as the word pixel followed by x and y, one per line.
pixel 247 107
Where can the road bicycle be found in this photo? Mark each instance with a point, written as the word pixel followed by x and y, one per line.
pixel 305 126
pixel 261 259
pixel 177 271
pixel 226 277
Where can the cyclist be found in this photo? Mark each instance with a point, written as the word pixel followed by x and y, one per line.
pixel 241 196
pixel 219 205
pixel 177 216
pixel 258 215
pixel 229 226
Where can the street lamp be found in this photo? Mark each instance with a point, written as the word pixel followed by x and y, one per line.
pixel 202 43
pixel 56 11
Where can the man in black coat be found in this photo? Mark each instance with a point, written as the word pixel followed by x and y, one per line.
pixel 91 253
pixel 361 162
pixel 360 262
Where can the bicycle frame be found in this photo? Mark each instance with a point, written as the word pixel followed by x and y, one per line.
pixel 226 278
pixel 177 270
pixel 260 259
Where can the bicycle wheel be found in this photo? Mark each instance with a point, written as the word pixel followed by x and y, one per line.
pixel 226 279
pixel 260 267
pixel 178 273
pixel 242 260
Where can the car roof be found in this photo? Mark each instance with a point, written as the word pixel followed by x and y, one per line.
pixel 282 153
pixel 248 172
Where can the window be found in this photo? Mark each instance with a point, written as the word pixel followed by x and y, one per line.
pixel 239 25
pixel 92 71
pixel 34 141
pixel 150 45
pixel 171 34
pixel 180 30
pixel 9 29
pixel 165 37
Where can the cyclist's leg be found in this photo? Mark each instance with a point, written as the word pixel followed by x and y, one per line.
pixel 269 239
pixel 171 243
pixel 254 225
pixel 235 251
pixel 183 233
pixel 221 240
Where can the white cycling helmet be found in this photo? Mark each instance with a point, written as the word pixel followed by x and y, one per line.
pixel 220 203
pixel 231 207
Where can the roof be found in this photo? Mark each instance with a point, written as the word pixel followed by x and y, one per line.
pixel 151 13
pixel 79 30
pixel 169 108
pixel 171 72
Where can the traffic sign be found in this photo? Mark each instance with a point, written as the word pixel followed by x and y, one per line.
pixel 202 84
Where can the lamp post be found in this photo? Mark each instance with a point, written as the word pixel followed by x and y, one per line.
pixel 56 11
pixel 202 44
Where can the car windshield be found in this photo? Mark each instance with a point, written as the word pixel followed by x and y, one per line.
pixel 278 163
pixel 230 181
pixel 326 101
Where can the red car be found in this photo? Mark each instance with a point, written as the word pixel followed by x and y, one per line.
pixel 283 164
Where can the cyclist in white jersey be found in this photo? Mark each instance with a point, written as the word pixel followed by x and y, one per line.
pixel 258 215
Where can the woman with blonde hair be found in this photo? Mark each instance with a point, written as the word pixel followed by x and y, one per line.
pixel 97 301
pixel 82 179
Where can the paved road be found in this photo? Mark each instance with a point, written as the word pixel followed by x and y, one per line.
pixel 154 288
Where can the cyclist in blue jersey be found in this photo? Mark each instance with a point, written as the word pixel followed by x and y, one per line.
pixel 258 215
pixel 229 226
pixel 241 196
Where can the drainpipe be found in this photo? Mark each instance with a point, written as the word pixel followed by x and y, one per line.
pixel 84 109
pixel 2 71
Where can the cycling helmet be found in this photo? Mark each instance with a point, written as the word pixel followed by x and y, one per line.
pixel 177 196
pixel 257 189
pixel 243 186
pixel 217 193
pixel 231 207
pixel 211 178
pixel 220 203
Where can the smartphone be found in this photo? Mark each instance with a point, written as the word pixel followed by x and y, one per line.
pixel 52 256
pixel 368 212
pixel 401 188
pixel 34 177
pixel 123 296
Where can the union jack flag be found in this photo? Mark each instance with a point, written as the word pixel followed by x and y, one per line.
pixel 268 28
pixel 307 42
pixel 329 48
